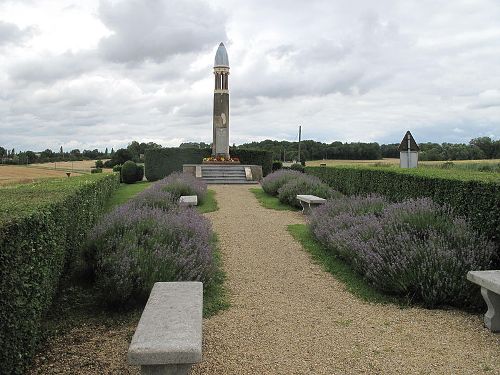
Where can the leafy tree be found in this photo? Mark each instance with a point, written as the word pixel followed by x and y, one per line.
pixel 76 153
pixel 46 154
pixel 3 152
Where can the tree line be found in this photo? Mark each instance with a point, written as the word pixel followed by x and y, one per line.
pixel 133 152
pixel 477 148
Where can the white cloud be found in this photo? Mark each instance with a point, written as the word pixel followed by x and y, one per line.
pixel 102 73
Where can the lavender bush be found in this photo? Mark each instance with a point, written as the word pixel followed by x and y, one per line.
pixel 178 184
pixel 415 248
pixel 272 182
pixel 304 184
pixel 154 197
pixel 134 247
pixel 149 239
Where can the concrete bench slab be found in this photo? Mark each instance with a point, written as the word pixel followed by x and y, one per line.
pixel 188 200
pixel 168 338
pixel 489 281
pixel 309 201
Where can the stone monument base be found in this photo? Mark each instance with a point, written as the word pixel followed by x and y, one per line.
pixel 225 173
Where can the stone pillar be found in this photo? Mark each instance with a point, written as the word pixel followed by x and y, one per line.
pixel 221 114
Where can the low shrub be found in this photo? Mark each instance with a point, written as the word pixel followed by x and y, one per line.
pixel 297 167
pixel 129 172
pixel 179 184
pixel 155 197
pixel 99 164
pixel 272 182
pixel 472 194
pixel 416 248
pixel 277 165
pixel 134 247
pixel 96 170
pixel 119 157
pixel 304 184
pixel 117 168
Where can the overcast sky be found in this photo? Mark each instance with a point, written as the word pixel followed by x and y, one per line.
pixel 95 74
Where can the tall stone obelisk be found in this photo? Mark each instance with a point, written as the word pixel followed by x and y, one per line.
pixel 220 146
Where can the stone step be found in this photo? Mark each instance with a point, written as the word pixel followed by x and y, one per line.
pixel 223 173
pixel 224 177
pixel 225 181
pixel 222 168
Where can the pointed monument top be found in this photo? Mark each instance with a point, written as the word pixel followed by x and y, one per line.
pixel 221 58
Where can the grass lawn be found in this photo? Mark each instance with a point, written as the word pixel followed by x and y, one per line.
pixel 210 203
pixel 215 296
pixel 125 192
pixel 268 201
pixel 338 268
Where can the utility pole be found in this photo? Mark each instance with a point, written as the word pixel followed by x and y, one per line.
pixel 300 133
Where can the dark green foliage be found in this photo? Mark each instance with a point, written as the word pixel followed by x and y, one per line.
pixel 129 172
pixel 96 170
pixel 162 162
pixel 117 168
pixel 42 226
pixel 139 172
pixel 254 157
pixel 297 167
pixel 99 164
pixel 277 165
pixel 119 157
pixel 475 195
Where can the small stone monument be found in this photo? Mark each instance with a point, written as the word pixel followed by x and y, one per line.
pixel 408 152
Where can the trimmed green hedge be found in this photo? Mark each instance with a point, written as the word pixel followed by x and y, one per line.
pixel 475 195
pixel 255 157
pixel 42 227
pixel 159 163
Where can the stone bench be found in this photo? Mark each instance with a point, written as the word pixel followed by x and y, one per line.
pixel 188 200
pixel 309 201
pixel 168 337
pixel 489 281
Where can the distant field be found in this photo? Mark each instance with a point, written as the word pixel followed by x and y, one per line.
pixel 83 166
pixel 329 163
pixel 16 174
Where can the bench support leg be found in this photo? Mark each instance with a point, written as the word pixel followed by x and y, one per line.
pixel 180 369
pixel 306 207
pixel 492 316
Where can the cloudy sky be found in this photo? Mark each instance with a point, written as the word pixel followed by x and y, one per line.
pixel 95 74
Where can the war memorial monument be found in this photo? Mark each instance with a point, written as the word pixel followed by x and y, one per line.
pixel 220 168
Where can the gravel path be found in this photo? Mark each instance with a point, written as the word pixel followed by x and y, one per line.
pixel 290 317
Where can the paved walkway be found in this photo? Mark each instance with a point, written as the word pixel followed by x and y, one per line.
pixel 290 317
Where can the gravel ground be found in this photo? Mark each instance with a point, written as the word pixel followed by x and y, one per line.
pixel 287 316
pixel 290 317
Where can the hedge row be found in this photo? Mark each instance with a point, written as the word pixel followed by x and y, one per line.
pixel 473 195
pixel 42 226
pixel 162 162
pixel 254 157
